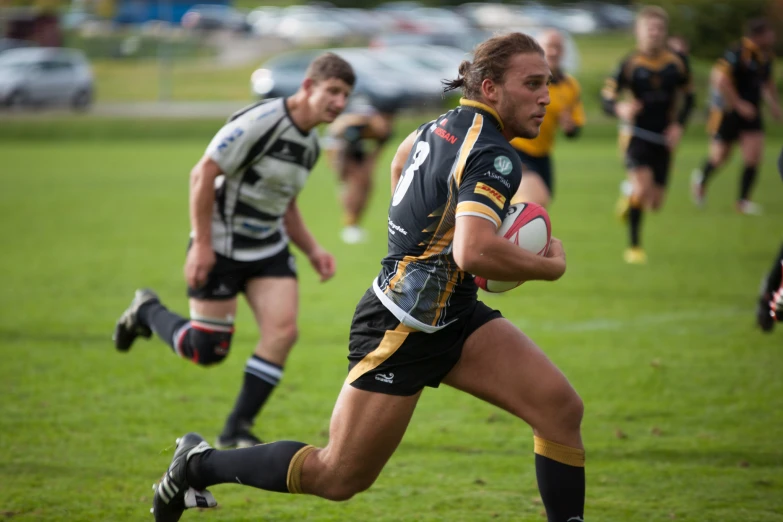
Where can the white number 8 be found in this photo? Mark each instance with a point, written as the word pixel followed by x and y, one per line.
pixel 422 151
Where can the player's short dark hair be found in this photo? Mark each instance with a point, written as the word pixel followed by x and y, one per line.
pixel 757 27
pixel 329 65
pixel 490 61
pixel 653 11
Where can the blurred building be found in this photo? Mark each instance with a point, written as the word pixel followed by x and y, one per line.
pixel 34 25
pixel 140 11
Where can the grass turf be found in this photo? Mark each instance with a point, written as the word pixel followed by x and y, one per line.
pixel 683 396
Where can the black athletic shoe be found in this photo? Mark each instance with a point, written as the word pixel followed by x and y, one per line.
pixel 238 439
pixel 128 326
pixel 168 504
pixel 764 317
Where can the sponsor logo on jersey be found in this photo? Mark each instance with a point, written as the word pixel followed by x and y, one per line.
pixel 500 179
pixel 228 140
pixel 496 197
pixel 446 135
pixel 503 165
pixel 394 228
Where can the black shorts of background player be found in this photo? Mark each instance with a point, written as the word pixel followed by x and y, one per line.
pixel 243 215
pixel 770 305
pixel 421 324
pixel 657 78
pixel 739 81
pixel 356 141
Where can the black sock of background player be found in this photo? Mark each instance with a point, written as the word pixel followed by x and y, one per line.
pixel 706 172
pixel 775 275
pixel 747 181
pixel 163 322
pixel 265 466
pixel 261 378
pixel 634 224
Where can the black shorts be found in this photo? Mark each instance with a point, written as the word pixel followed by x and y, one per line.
pixel 541 166
pixel 642 153
pixel 229 277
pixel 727 126
pixel 388 357
pixel 355 145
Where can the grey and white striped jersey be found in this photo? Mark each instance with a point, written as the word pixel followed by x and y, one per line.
pixel 265 159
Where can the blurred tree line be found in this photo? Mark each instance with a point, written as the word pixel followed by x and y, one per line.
pixel 710 25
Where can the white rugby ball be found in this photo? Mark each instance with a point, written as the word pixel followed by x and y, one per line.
pixel 526 225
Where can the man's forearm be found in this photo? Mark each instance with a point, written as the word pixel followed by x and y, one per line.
pixel 202 201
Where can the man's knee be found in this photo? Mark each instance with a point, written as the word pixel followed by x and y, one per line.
pixel 567 408
pixel 284 335
pixel 345 487
pixel 205 346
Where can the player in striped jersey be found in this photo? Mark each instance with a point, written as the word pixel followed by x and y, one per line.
pixel 243 215
pixel 421 323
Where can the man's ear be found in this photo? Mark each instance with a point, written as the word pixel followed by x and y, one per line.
pixel 489 90
pixel 307 86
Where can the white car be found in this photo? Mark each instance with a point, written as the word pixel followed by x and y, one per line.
pixel 35 76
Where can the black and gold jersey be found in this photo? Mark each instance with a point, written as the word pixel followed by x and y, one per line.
pixel 460 165
pixel 749 69
pixel 654 81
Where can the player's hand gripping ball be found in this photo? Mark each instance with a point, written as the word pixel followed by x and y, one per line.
pixel 527 226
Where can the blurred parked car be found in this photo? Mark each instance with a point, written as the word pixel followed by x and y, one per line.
pixel 37 76
pixel 212 17
pixel 13 43
pixel 377 77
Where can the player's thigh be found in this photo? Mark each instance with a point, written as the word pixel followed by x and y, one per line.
pixel 720 151
pixel 274 302
pixel 501 365
pixel 532 189
pixel 222 309
pixel 752 145
pixel 641 178
pixel 365 430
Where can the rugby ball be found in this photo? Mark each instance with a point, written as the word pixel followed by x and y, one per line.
pixel 527 226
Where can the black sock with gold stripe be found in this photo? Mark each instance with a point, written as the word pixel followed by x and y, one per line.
pixel 560 471
pixel 634 222
pixel 276 466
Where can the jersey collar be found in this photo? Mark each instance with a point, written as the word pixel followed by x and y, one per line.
pixel 483 107
pixel 751 46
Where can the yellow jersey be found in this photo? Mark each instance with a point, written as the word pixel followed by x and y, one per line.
pixel 565 96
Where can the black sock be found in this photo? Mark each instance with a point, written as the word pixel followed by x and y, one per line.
pixel 260 380
pixel 747 182
pixel 163 322
pixel 634 224
pixel 264 466
pixel 775 275
pixel 562 486
pixel 706 172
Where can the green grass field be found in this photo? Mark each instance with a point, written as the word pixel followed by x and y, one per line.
pixel 684 397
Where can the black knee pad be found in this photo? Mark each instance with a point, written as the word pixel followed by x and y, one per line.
pixel 206 347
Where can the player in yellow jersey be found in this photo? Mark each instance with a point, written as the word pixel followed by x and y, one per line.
pixel 565 112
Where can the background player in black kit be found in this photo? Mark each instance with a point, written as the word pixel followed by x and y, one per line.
pixel 740 79
pixel 659 80
pixel 421 322
pixel 770 307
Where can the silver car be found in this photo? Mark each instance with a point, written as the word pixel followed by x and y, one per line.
pixel 36 76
